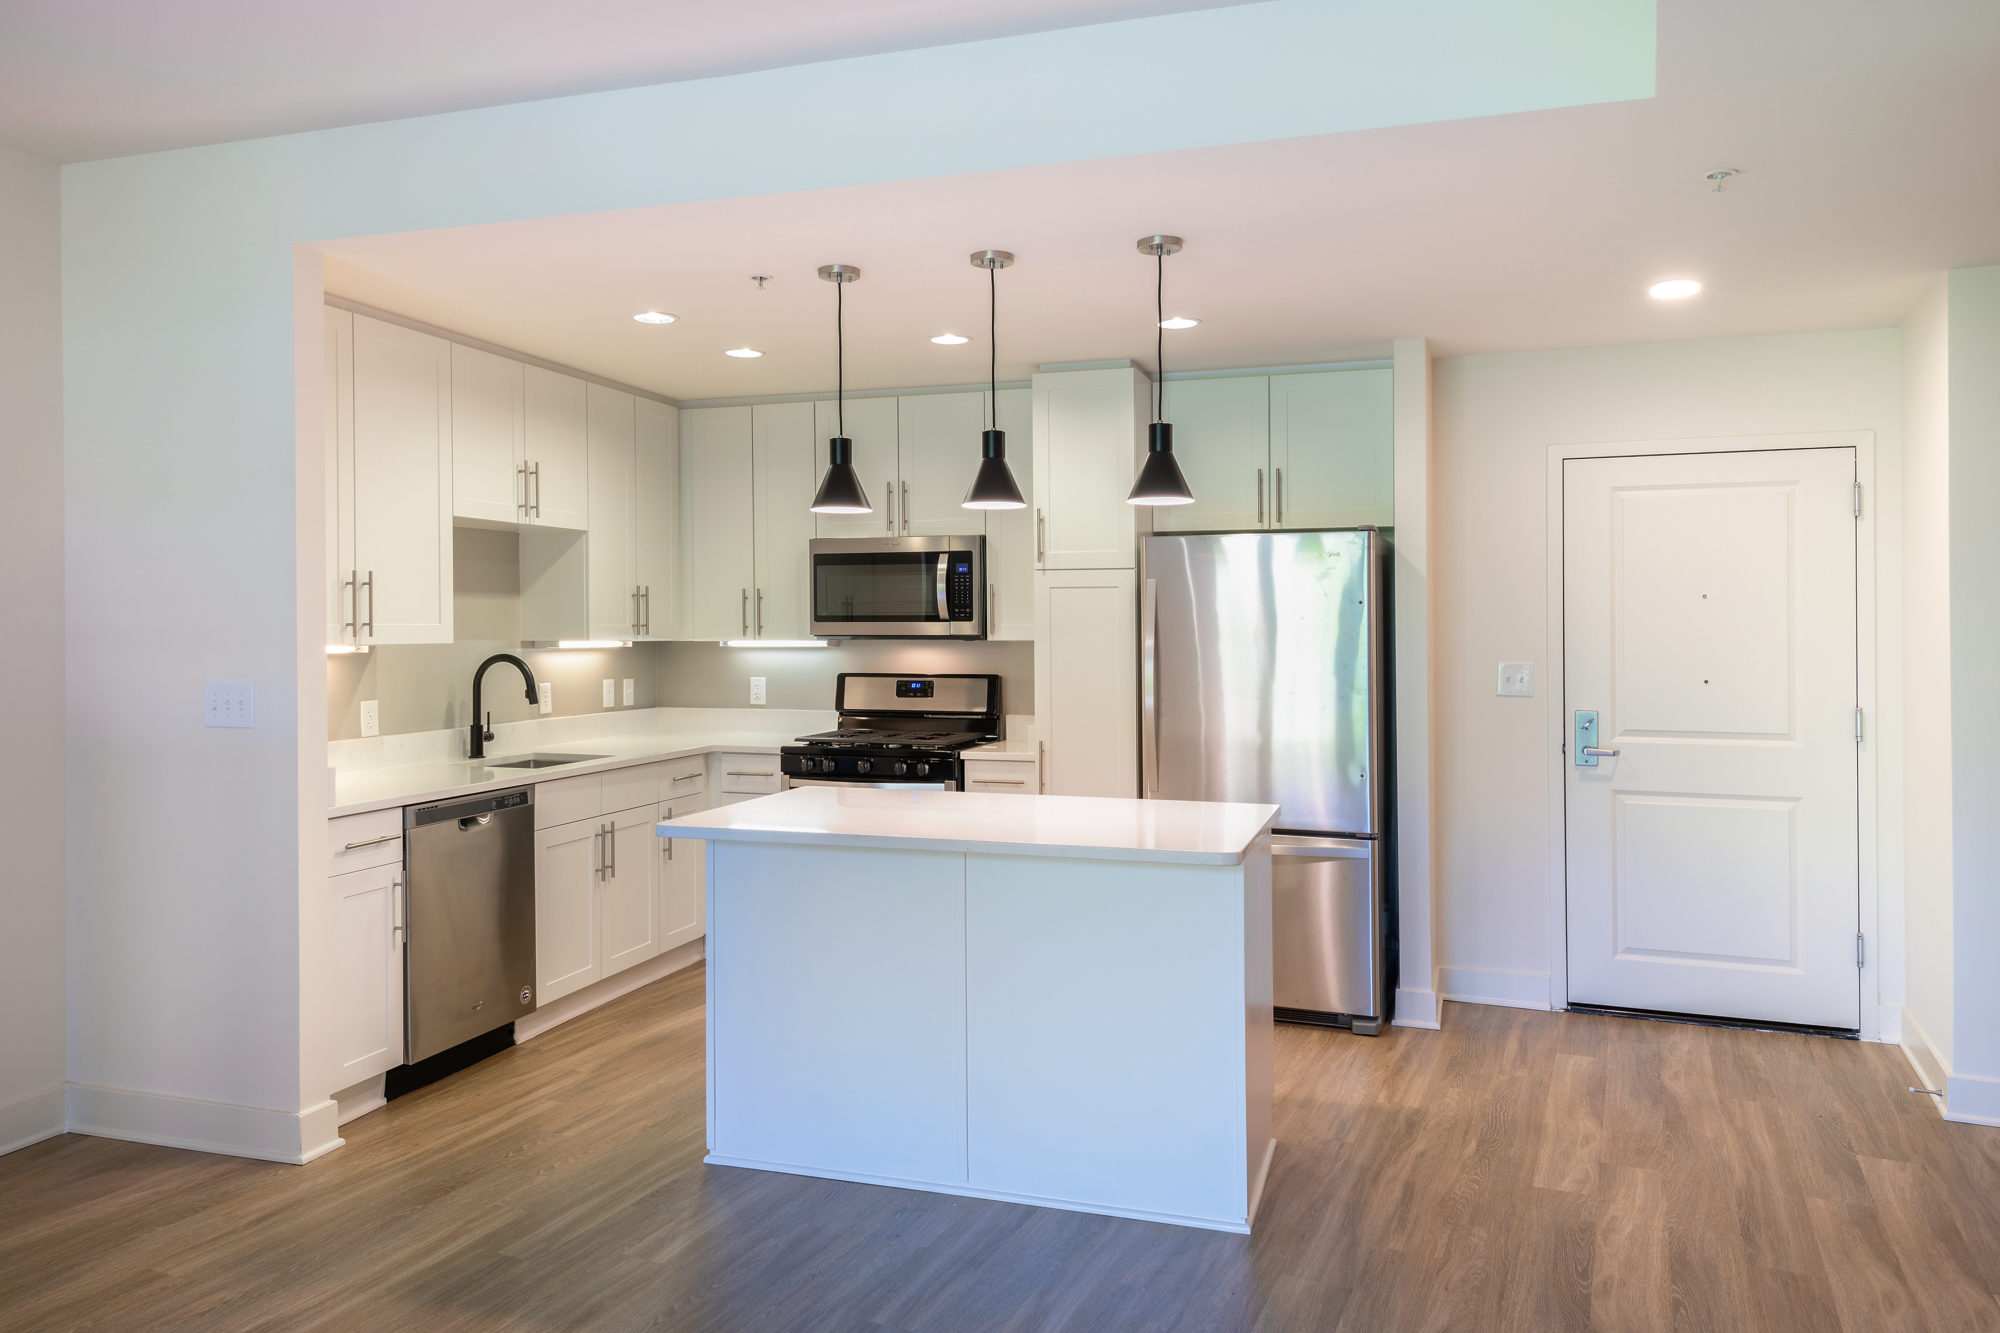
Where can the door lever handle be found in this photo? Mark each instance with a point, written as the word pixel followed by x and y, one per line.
pixel 1596 753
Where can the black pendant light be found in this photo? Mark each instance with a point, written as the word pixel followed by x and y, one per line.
pixel 1160 481
pixel 993 485
pixel 840 491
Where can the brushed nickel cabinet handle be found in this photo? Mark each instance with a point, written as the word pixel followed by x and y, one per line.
pixel 746 613
pixel 1260 495
pixel 350 591
pixel 906 506
pixel 396 912
pixel 646 618
pixel 1000 782
pixel 521 475
pixel 687 777
pixel 1278 490
pixel 889 487
pixel 372 842
pixel 635 610
pixel 537 472
pixel 760 613
pixel 1041 537
pixel 371 604
pixel 741 773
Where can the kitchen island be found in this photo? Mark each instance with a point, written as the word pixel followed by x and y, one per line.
pixel 1056 1000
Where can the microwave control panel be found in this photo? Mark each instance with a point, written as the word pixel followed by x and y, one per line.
pixel 960 595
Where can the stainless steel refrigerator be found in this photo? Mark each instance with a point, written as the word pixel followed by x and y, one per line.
pixel 1262 674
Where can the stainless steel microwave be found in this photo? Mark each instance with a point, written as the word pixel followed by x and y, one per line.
pixel 899 587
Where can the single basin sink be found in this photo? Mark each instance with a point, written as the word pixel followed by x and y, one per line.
pixel 543 760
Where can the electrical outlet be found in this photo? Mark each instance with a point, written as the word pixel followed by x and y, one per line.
pixel 371 717
pixel 229 703
pixel 610 694
pixel 756 689
pixel 631 691
pixel 548 696
pixel 1517 679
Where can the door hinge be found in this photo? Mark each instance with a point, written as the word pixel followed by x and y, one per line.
pixel 1858 729
pixel 1860 950
pixel 1857 499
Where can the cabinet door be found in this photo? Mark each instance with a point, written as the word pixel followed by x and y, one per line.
pixel 871 424
pixel 683 880
pixel 938 453
pixel 1086 681
pixel 402 482
pixel 488 437
pixel 716 518
pixel 784 486
pixel 365 924
pixel 1222 440
pixel 1089 435
pixel 1333 449
pixel 557 450
pixel 656 518
pixel 614 592
pixel 338 327
pixel 569 936
pixel 630 911
pixel 1010 533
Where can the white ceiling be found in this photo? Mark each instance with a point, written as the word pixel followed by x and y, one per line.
pixel 86 79
pixel 1869 136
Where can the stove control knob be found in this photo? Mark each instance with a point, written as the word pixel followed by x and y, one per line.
pixel 923 770
pixel 901 768
pixel 862 766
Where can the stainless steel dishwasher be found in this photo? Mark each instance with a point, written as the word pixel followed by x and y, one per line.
pixel 470 951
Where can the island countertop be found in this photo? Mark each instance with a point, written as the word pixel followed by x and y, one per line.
pixel 1070 827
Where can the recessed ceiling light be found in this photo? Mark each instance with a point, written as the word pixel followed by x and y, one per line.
pixel 654 317
pixel 950 339
pixel 1179 322
pixel 1673 289
pixel 745 352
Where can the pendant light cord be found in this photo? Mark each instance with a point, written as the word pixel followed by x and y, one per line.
pixel 993 343
pixel 1160 333
pixel 840 358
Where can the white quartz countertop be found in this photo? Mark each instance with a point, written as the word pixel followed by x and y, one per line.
pixel 1080 827
pixel 362 790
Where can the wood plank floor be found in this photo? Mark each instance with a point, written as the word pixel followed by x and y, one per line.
pixel 1520 1171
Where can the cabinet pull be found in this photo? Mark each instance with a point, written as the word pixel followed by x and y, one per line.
pixel 760 613
pixel 646 613
pixel 521 475
pixel 1260 495
pixel 371 604
pixel 372 842
pixel 992 608
pixel 906 506
pixel 1041 537
pixel 1002 782
pixel 635 610
pixel 889 487
pixel 741 773
pixel 746 613
pixel 536 473
pixel 670 846
pixel 1279 491
pixel 611 847
pixel 351 589
pixel 687 777
pixel 396 911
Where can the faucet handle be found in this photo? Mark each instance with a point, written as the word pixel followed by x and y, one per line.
pixel 487 730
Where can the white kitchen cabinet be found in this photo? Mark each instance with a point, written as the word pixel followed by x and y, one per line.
pixel 629 887
pixel 401 566
pixel 555 450
pixel 938 453
pixel 614 589
pixel 871 424
pixel 337 327
pixel 656 518
pixel 718 516
pixel 489 482
pixel 364 924
pixel 569 930
pixel 1086 681
pixel 1222 441
pixel 1003 777
pixel 1333 449
pixel 1090 432
pixel 682 879
pixel 784 481
pixel 1010 533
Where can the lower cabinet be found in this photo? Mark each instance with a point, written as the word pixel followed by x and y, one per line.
pixel 1086 681
pixel 1003 777
pixel 631 909
pixel 683 880
pixel 365 922
pixel 569 924
pixel 610 893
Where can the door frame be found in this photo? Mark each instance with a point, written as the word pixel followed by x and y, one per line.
pixel 1880 922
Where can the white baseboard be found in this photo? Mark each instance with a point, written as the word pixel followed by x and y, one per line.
pixel 32 1117
pixel 370 1094
pixel 218 1127
pixel 1967 1099
pixel 557 1012
pixel 1490 985
pixel 1416 1009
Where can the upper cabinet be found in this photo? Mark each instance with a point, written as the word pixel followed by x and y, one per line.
pixel 1090 430
pixel 1333 449
pixel 337 328
pixel 555 456
pixel 656 489
pixel 938 453
pixel 871 424
pixel 489 480
pixel 395 523
pixel 787 475
pixel 718 553
pixel 1222 440
pixel 614 590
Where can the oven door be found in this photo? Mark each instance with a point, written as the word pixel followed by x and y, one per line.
pixel 899 587
pixel 941 784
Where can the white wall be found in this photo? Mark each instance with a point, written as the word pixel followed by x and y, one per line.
pixel 31 606
pixel 1495 417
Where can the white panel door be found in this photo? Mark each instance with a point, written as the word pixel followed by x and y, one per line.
pixel 1222 440
pixel 569 936
pixel 488 437
pixel 631 911
pixel 716 518
pixel 938 449
pixel 656 518
pixel 365 926
pixel 402 482
pixel 1333 449
pixel 557 451
pixel 683 881
pixel 1089 436
pixel 1086 674
pixel 786 478
pixel 614 592
pixel 1709 621
pixel 871 424
pixel 1010 533
pixel 338 346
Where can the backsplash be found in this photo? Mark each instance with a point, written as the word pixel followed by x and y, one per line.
pixel 707 675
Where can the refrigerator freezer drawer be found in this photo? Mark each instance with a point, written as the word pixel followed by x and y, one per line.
pixel 1326 928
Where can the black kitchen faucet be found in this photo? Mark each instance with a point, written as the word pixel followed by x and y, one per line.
pixel 482 724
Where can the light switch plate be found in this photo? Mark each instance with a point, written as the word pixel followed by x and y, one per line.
pixel 229 703
pixel 1517 680
pixel 548 695
pixel 756 689
pixel 610 694
pixel 371 717
pixel 631 691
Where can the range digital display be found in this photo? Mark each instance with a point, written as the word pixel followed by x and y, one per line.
pixel 916 689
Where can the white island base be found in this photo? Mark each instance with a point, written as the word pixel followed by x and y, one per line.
pixel 1063 1001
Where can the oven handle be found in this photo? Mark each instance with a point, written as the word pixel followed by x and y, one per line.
pixel 945 785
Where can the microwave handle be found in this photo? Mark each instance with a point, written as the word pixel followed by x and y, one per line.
pixel 943 562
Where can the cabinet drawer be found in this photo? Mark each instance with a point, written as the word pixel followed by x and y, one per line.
pixel 747 774
pixel 566 800
pixel 682 778
pixel 626 788
pixel 361 842
pixel 1005 776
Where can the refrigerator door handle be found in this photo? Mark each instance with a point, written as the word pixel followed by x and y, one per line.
pixel 1149 685
pixel 1327 848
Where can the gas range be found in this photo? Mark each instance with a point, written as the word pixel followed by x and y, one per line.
pixel 898 730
